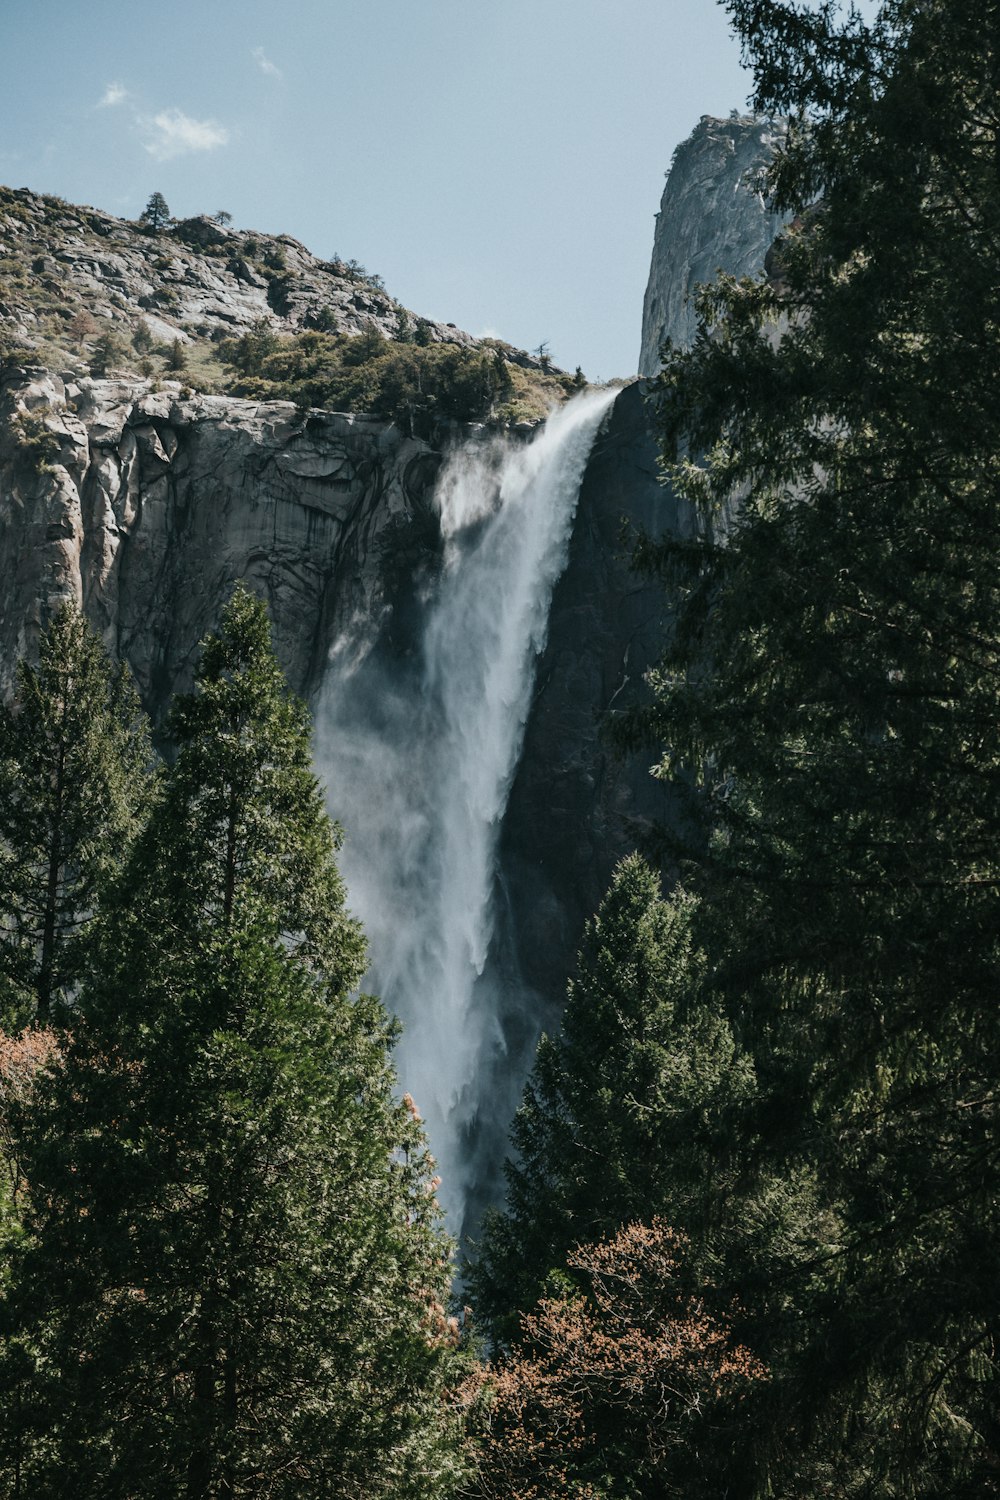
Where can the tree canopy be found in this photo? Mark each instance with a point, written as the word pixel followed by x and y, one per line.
pixel 621 1114
pixel 828 698
pixel 74 783
pixel 233 1276
pixel 156 214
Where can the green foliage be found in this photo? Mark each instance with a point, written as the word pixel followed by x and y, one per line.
pixel 74 758
pixel 156 214
pixel 234 1279
pixel 37 444
pixel 621 1116
pixel 109 351
pixel 325 321
pixel 253 348
pixel 828 693
pixel 278 292
pixel 142 337
pixel 13 351
pixel 177 357
pixel 413 384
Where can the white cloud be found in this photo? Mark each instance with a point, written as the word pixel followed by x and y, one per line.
pixel 172 133
pixel 265 64
pixel 115 93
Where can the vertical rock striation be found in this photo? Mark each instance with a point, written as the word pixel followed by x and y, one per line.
pixel 145 506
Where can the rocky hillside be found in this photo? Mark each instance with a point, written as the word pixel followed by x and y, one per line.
pixel 143 496
pixel 83 293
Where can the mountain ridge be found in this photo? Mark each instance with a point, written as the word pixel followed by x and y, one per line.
pixel 72 274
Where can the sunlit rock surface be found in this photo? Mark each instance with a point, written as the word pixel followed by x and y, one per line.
pixel 144 506
pixel 190 280
pixel 712 217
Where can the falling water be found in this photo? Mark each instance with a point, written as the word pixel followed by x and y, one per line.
pixel 420 761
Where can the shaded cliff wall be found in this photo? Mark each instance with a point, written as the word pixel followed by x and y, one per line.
pixel 711 218
pixel 576 807
pixel 145 507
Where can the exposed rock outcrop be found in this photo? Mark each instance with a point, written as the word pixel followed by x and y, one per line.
pixel 712 218
pixel 69 274
pixel 197 278
pixel 144 506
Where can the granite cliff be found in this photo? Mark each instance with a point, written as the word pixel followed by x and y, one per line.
pixel 607 623
pixel 69 272
pixel 144 506
pixel 713 217
pixel 145 503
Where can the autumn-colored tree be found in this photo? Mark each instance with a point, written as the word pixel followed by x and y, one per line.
pixel 609 1388
pixel 21 1060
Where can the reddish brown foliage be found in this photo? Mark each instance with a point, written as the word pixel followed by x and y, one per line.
pixel 638 1356
pixel 21 1058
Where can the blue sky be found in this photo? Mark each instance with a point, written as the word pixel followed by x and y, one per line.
pixel 498 162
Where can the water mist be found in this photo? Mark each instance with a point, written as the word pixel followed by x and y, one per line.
pixel 420 759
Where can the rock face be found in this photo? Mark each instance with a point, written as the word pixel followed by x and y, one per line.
pixel 712 217
pixel 144 506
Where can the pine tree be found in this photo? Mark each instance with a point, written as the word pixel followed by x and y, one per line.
pixel 235 1281
pixel 156 214
pixel 74 778
pixel 831 690
pixel 622 1117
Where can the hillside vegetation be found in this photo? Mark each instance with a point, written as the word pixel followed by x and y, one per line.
pixel 229 312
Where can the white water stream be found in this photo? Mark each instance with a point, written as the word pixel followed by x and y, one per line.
pixel 420 764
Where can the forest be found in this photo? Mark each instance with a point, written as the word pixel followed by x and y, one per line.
pixel 748 1246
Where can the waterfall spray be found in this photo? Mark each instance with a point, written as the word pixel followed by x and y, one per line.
pixel 420 765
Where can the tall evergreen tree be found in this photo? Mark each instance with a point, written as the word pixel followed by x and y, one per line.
pixel 622 1114
pixel 235 1279
pixel 74 781
pixel 832 689
pixel 156 214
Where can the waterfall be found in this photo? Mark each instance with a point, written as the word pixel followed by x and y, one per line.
pixel 420 759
